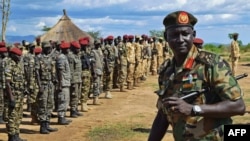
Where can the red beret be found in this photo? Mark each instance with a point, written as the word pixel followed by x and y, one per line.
pixel 125 36
pixel 16 51
pixel 110 37
pixel 86 38
pixel 198 41
pixel 2 44
pixel 64 45
pixel 16 44
pixel 131 36
pixel 38 50
pixel 3 49
pixel 75 44
pixel 101 39
pixel 84 42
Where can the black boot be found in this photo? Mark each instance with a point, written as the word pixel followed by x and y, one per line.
pixel 11 138
pixel 73 113
pixel 43 128
pixel 63 121
pixel 49 128
pixel 78 113
pixel 17 138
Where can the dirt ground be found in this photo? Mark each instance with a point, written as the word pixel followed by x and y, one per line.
pixel 137 105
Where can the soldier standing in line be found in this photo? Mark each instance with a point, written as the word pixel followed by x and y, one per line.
pixel 63 77
pixel 155 53
pixel 109 59
pixel 138 60
pixel 115 70
pixel 29 66
pixel 85 73
pixel 149 48
pixel 76 78
pixel 122 62
pixel 45 75
pixel 96 70
pixel 4 59
pixel 159 47
pixel 131 61
pixel 235 53
pixel 15 93
pixel 145 56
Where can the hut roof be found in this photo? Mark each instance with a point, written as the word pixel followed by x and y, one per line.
pixel 65 30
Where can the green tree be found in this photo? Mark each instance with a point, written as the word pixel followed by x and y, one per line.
pixel 156 33
pixel 95 34
pixel 46 29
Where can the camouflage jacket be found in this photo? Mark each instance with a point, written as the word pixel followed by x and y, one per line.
pixel 200 70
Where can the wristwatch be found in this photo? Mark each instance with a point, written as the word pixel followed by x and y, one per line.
pixel 196 110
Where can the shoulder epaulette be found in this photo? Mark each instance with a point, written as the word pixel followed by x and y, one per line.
pixel 166 63
pixel 207 58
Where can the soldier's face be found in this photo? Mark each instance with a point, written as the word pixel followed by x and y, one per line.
pixel 180 39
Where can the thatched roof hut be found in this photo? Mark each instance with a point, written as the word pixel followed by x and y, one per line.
pixel 65 30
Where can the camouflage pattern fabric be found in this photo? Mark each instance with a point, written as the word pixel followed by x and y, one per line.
pixel 131 62
pixel 122 63
pixel 234 56
pixel 200 70
pixel 14 72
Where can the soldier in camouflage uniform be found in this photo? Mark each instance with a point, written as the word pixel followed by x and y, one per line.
pixel 63 77
pixel 138 61
pixel 29 64
pixel 15 93
pixel 85 73
pixel 4 59
pixel 131 61
pixel 96 70
pixel 109 60
pixel 122 62
pixel 203 117
pixel 76 78
pixel 235 53
pixel 45 75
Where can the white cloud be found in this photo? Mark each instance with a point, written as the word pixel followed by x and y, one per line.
pixel 11 28
pixel 92 3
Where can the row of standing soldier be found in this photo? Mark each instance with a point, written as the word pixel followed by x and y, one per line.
pixel 58 75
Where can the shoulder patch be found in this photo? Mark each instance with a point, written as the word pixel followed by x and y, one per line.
pixel 207 58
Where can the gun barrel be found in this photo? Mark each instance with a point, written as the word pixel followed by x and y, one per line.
pixel 241 76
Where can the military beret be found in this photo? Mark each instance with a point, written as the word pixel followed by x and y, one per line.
pixel 137 36
pixel 84 42
pixel 125 36
pixel 46 44
pixel 101 39
pixel 3 49
pixel 2 44
pixel 38 50
pixel 64 45
pixel 16 51
pixel 198 41
pixel 110 37
pixel 131 36
pixel 86 38
pixel 179 18
pixel 75 44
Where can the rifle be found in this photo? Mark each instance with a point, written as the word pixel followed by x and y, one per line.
pixel 106 64
pixel 194 94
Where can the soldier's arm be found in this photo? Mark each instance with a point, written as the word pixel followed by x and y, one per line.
pixel 8 77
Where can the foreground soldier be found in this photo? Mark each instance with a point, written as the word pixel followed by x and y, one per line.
pixel 63 77
pixel 44 70
pixel 192 70
pixel 15 93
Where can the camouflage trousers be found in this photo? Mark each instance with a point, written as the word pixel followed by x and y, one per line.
pixel 138 69
pixel 45 101
pixel 33 101
pixel 75 92
pixel 108 80
pixel 144 67
pixel 234 65
pixel 96 86
pixel 15 114
pixel 131 71
pixel 63 101
pixel 122 74
pixel 1 102
pixel 148 66
pixel 159 61
pixel 153 64
pixel 115 75
pixel 86 83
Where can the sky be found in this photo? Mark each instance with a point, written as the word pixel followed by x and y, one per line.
pixel 216 18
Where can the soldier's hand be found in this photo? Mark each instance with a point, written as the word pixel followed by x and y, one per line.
pixel 12 104
pixel 178 105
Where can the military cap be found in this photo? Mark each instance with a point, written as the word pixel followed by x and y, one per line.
pixel 125 36
pixel 198 41
pixel 75 44
pixel 46 44
pixel 110 37
pixel 160 38
pixel 179 18
pixel 3 49
pixel 64 45
pixel 97 41
pixel 84 42
pixel 137 36
pixel 2 44
pixel 131 36
pixel 16 51
pixel 38 50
